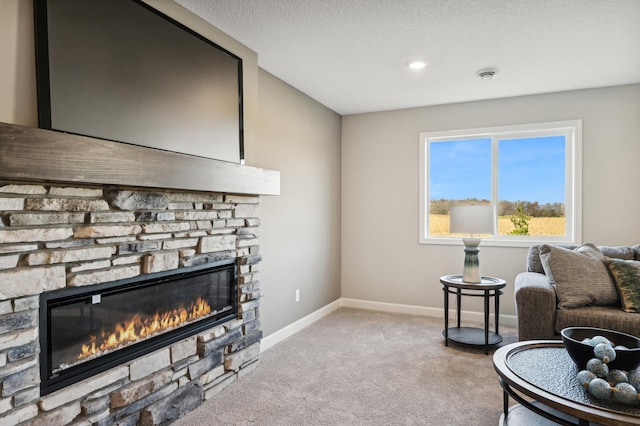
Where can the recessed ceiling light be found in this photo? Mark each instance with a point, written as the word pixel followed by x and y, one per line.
pixel 486 73
pixel 416 65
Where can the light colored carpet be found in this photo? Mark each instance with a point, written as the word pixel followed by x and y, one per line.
pixel 358 367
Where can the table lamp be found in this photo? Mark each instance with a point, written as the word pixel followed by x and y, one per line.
pixel 472 220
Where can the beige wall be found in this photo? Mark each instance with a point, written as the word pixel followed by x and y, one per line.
pixel 17 69
pixel 381 257
pixel 300 239
pixel 284 130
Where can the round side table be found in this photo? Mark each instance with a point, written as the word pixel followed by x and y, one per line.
pixel 487 288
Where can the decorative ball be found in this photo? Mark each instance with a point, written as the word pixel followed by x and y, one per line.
pixel 625 393
pixel 600 388
pixel 605 352
pixel 595 340
pixel 597 367
pixel 616 376
pixel 584 377
pixel 634 378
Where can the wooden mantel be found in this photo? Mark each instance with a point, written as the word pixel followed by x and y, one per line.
pixel 30 154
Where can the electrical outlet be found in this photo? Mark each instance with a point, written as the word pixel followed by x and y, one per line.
pixel 297 294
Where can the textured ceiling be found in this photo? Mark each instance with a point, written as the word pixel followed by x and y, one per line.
pixel 351 55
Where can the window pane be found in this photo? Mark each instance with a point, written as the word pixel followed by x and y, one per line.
pixel 531 186
pixel 460 172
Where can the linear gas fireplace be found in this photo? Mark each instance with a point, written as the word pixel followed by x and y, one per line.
pixel 84 331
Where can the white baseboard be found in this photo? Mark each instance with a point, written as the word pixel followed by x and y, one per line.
pixel 293 328
pixel 392 307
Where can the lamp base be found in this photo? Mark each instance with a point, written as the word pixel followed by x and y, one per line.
pixel 471 270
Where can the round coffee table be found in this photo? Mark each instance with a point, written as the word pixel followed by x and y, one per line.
pixel 543 371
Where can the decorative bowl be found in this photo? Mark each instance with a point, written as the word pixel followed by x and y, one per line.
pixel 581 353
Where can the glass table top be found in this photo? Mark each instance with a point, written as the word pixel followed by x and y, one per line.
pixel 552 370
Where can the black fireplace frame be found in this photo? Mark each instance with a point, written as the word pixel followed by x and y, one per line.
pixel 51 382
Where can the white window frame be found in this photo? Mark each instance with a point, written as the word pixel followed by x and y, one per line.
pixel 571 129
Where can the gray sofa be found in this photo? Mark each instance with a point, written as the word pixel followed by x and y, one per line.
pixel 542 313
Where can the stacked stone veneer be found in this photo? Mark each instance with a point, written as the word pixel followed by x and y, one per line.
pixel 55 236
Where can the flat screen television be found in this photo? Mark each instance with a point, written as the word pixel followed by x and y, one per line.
pixel 120 70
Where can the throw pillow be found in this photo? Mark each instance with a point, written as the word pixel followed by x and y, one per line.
pixel 587 249
pixel 626 275
pixel 580 276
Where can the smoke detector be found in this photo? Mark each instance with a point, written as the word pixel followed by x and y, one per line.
pixel 486 73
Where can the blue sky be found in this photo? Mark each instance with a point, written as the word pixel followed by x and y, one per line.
pixel 531 169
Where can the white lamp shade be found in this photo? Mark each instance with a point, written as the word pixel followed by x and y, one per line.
pixel 472 220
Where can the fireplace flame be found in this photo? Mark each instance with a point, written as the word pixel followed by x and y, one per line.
pixel 138 328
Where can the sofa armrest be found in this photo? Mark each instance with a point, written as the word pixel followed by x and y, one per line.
pixel 535 306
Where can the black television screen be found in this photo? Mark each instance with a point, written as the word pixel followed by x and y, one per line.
pixel 120 70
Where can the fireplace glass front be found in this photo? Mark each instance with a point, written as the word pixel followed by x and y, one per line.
pixel 84 331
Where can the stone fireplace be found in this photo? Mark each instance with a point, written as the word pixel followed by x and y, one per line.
pixel 69 244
